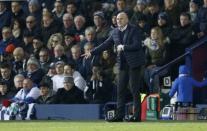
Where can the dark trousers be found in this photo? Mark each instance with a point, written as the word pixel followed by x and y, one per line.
pixel 131 77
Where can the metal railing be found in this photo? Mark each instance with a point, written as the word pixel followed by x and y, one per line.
pixel 188 52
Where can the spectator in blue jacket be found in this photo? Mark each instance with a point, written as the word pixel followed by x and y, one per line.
pixel 28 94
pixel 184 84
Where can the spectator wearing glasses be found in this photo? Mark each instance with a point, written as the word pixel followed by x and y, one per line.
pixel 31 25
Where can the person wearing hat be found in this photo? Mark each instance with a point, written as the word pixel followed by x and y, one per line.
pixel 138 10
pixel 69 41
pixel 164 23
pixel 193 9
pixel 69 94
pixel 101 27
pixel 47 78
pixel 184 85
pixel 33 71
pixel 27 41
pixel 57 79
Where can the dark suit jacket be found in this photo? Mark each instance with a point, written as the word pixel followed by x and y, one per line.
pixel 132 46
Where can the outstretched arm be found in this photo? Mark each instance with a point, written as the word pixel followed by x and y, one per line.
pixel 199 84
pixel 105 45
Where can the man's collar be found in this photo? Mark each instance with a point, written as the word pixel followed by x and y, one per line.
pixel 123 29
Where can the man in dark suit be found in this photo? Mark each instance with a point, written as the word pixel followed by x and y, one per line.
pixel 127 40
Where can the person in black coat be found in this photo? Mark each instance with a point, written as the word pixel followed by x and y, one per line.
pixel 5 16
pixel 34 72
pixel 130 57
pixel 69 94
pixel 183 36
pixel 46 95
pixel 4 92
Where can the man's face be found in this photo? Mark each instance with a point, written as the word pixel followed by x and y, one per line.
pixel 122 20
pixel 27 84
pixel 30 22
pixel 161 22
pixel 32 8
pixel 58 52
pixel 5 73
pixel 44 91
pixel 17 56
pixel 18 82
pixel 71 8
pixel 59 69
pixel 6 34
pixel 120 5
pixel 68 70
pixel 79 23
pixel 68 86
pixel 46 21
pixel 67 21
pixel 15 6
pixel 97 20
pixel 2 6
pixel 43 55
pixel 75 53
pixel 105 55
pixel 58 7
pixel 32 67
pixel 36 44
pixel 3 89
pixel 184 20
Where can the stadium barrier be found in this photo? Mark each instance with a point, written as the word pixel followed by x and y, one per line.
pixel 69 112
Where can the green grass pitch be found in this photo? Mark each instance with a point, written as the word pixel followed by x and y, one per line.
pixel 102 126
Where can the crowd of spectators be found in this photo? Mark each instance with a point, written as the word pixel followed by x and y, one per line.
pixel 41 42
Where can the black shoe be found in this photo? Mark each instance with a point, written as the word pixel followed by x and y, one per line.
pixel 133 119
pixel 115 119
